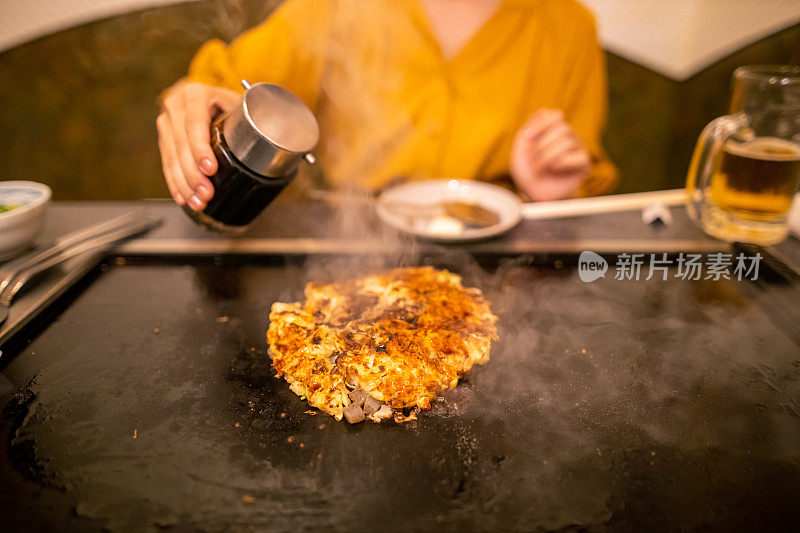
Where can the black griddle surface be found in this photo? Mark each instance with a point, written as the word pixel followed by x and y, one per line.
pixel 617 405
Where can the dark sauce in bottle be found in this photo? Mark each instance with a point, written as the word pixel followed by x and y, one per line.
pixel 239 193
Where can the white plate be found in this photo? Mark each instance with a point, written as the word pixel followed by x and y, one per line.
pixel 431 192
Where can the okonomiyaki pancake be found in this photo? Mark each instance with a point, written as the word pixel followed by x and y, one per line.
pixel 378 345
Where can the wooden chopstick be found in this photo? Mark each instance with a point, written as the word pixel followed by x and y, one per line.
pixel 602 204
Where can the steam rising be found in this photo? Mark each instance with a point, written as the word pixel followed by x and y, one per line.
pixel 598 397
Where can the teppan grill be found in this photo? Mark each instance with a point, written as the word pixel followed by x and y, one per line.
pixel 139 395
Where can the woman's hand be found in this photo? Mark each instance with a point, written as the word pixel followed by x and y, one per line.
pixel 184 139
pixel 548 161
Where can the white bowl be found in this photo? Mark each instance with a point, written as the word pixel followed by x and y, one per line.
pixel 432 192
pixel 20 225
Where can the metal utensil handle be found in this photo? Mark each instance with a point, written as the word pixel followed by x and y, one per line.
pixel 13 268
pixel 98 244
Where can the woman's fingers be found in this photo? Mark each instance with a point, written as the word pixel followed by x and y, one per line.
pixel 553 143
pixel 169 160
pixel 555 150
pixel 563 156
pixel 531 144
pixel 196 181
pixel 223 99
pixel 174 144
pixel 198 119
pixel 548 160
pixel 540 122
pixel 556 135
pixel 184 139
pixel 571 161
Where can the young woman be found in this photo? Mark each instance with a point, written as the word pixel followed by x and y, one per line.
pixel 468 89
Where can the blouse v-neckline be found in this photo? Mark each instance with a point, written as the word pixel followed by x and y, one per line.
pixel 425 25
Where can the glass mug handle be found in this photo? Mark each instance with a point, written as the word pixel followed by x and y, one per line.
pixel 709 145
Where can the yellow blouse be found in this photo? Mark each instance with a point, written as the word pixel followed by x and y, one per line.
pixel 390 104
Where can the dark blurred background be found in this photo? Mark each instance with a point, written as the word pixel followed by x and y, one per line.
pixel 78 107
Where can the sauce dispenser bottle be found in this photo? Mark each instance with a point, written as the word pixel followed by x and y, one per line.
pixel 258 145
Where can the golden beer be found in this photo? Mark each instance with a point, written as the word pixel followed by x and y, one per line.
pixel 746 165
pixel 756 180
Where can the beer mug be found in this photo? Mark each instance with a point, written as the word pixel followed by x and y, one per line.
pixel 746 165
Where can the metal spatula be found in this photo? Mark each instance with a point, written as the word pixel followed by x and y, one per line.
pixel 95 240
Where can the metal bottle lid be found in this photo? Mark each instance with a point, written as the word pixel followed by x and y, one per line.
pixel 270 130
